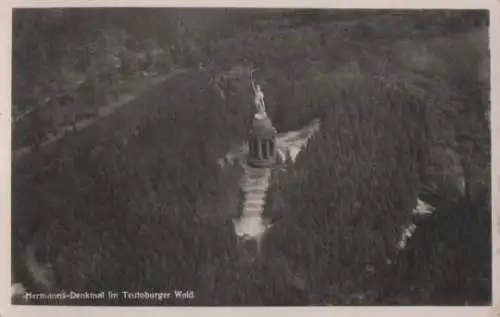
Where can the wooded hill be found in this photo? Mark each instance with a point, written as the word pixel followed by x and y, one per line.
pixel 403 102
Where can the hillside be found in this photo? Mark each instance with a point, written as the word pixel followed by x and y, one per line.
pixel 403 107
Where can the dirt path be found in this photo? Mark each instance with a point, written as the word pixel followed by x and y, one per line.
pixel 103 112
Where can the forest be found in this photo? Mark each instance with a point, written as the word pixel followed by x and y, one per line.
pixel 137 202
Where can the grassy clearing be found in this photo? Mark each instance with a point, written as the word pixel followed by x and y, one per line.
pixel 153 206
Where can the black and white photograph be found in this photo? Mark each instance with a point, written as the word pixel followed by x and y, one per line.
pixel 175 156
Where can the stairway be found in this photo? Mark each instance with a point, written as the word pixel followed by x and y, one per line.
pixel 254 184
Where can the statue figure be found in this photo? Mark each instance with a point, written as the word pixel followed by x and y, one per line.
pixel 259 97
pixel 259 100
